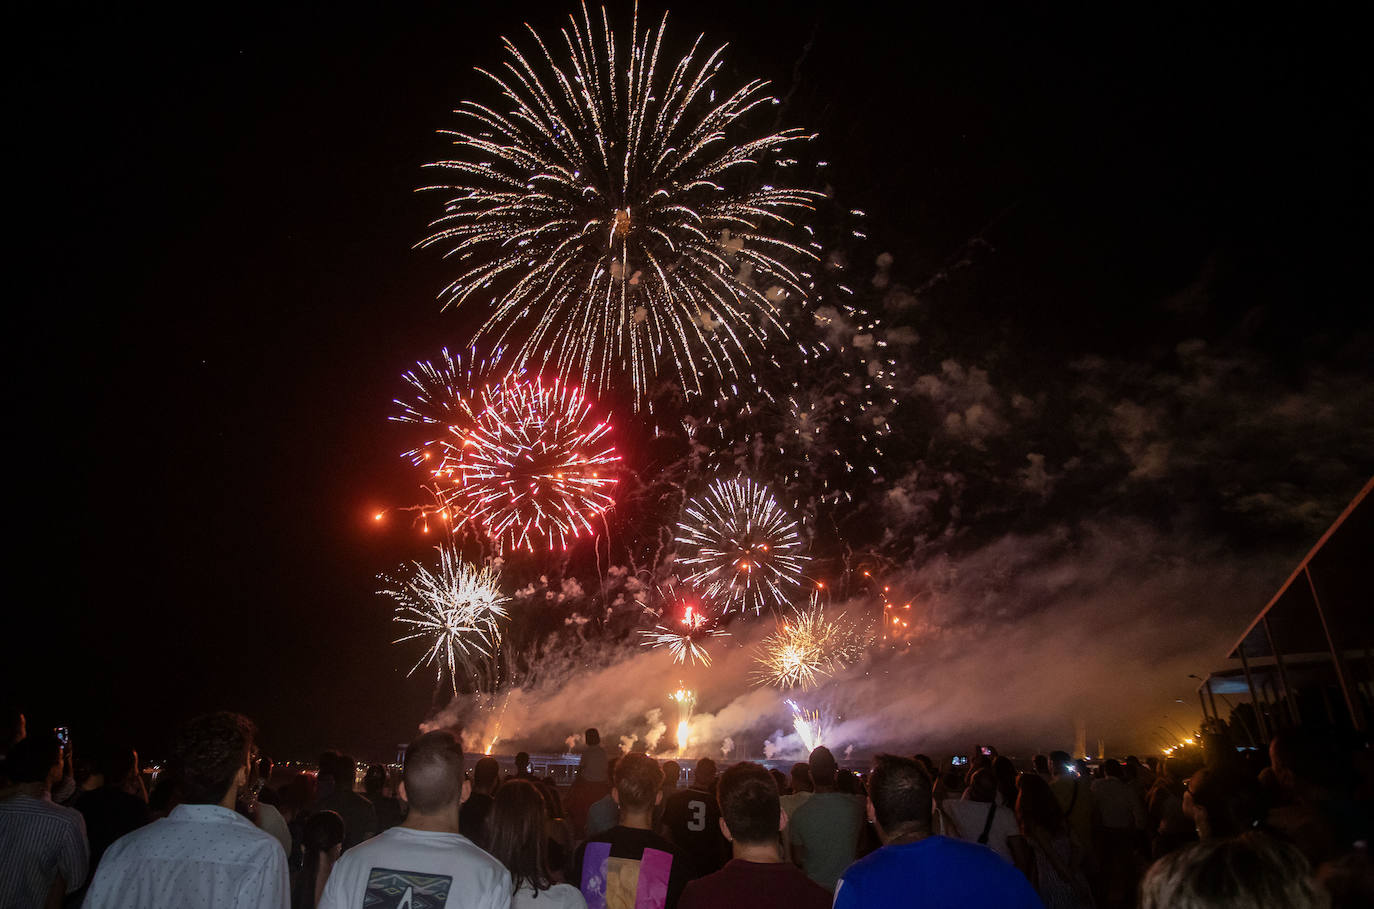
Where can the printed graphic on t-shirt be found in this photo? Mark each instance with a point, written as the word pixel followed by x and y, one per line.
pixel 611 882
pixel 389 889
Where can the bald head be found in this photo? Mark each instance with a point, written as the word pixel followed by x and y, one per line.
pixel 433 772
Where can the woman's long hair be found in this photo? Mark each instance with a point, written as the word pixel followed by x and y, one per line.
pixel 323 832
pixel 1036 806
pixel 516 834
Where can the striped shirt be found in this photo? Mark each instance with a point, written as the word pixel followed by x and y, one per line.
pixel 38 841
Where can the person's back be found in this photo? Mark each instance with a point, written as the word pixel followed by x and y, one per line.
pixel 757 874
pixel 915 868
pixel 425 861
pixel 692 819
pixel 630 866
pixel 472 817
pixel 824 833
pixel 43 847
pixel 388 808
pixel 1075 798
pixel 204 853
pixel 360 817
pixel 980 817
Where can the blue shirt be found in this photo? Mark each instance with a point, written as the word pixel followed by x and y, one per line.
pixel 935 873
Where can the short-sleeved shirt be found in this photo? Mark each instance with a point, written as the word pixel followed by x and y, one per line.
pixel 692 819
pixel 422 869
pixel 38 841
pixel 934 873
pixel 826 829
pixel 199 855
pixel 628 868
pixel 777 885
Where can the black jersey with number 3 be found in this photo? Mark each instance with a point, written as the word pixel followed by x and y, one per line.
pixel 692 819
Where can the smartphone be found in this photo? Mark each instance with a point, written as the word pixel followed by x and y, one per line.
pixel 64 734
pixel 986 750
pixel 959 760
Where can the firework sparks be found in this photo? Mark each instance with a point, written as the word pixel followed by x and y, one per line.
pixel 741 547
pixel 807 647
pixel 686 700
pixel 456 609
pixel 606 214
pixel 525 460
pixel 686 637
pixel 811 726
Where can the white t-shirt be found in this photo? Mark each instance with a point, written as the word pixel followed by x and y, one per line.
pixel 417 867
pixel 559 896
pixel 970 816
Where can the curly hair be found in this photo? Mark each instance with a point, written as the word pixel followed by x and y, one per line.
pixel 208 752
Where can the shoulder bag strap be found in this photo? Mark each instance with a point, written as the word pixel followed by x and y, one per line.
pixel 987 825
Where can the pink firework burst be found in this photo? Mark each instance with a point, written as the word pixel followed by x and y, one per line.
pixel 528 462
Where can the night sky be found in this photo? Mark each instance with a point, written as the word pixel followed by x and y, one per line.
pixel 217 294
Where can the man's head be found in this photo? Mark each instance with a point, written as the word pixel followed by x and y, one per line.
pixel 1111 769
pixel 522 763
pixel 1060 763
pixel 705 777
pixel 35 759
pixel 345 772
pixel 749 804
pixel 374 781
pixel 1041 764
pixel 638 784
pixel 801 778
pixel 433 773
pixel 900 792
pixel 485 775
pixel 212 754
pixel 672 771
pixel 592 736
pixel 823 768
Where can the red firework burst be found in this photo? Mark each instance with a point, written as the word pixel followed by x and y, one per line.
pixel 529 463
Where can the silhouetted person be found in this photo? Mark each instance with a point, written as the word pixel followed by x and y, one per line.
pixel 360 818
pixel 1055 864
pixel 389 810
pixel 321 845
pixel 472 817
pixel 108 806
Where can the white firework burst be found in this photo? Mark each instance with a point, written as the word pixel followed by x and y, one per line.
pixel 456 610
pixel 742 549
pixel 610 209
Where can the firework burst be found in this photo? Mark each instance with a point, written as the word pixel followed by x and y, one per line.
pixel 456 609
pixel 811 726
pixel 606 210
pixel 524 460
pixel 806 647
pixel 686 637
pixel 741 547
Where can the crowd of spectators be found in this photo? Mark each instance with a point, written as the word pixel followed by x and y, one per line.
pixel 224 827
